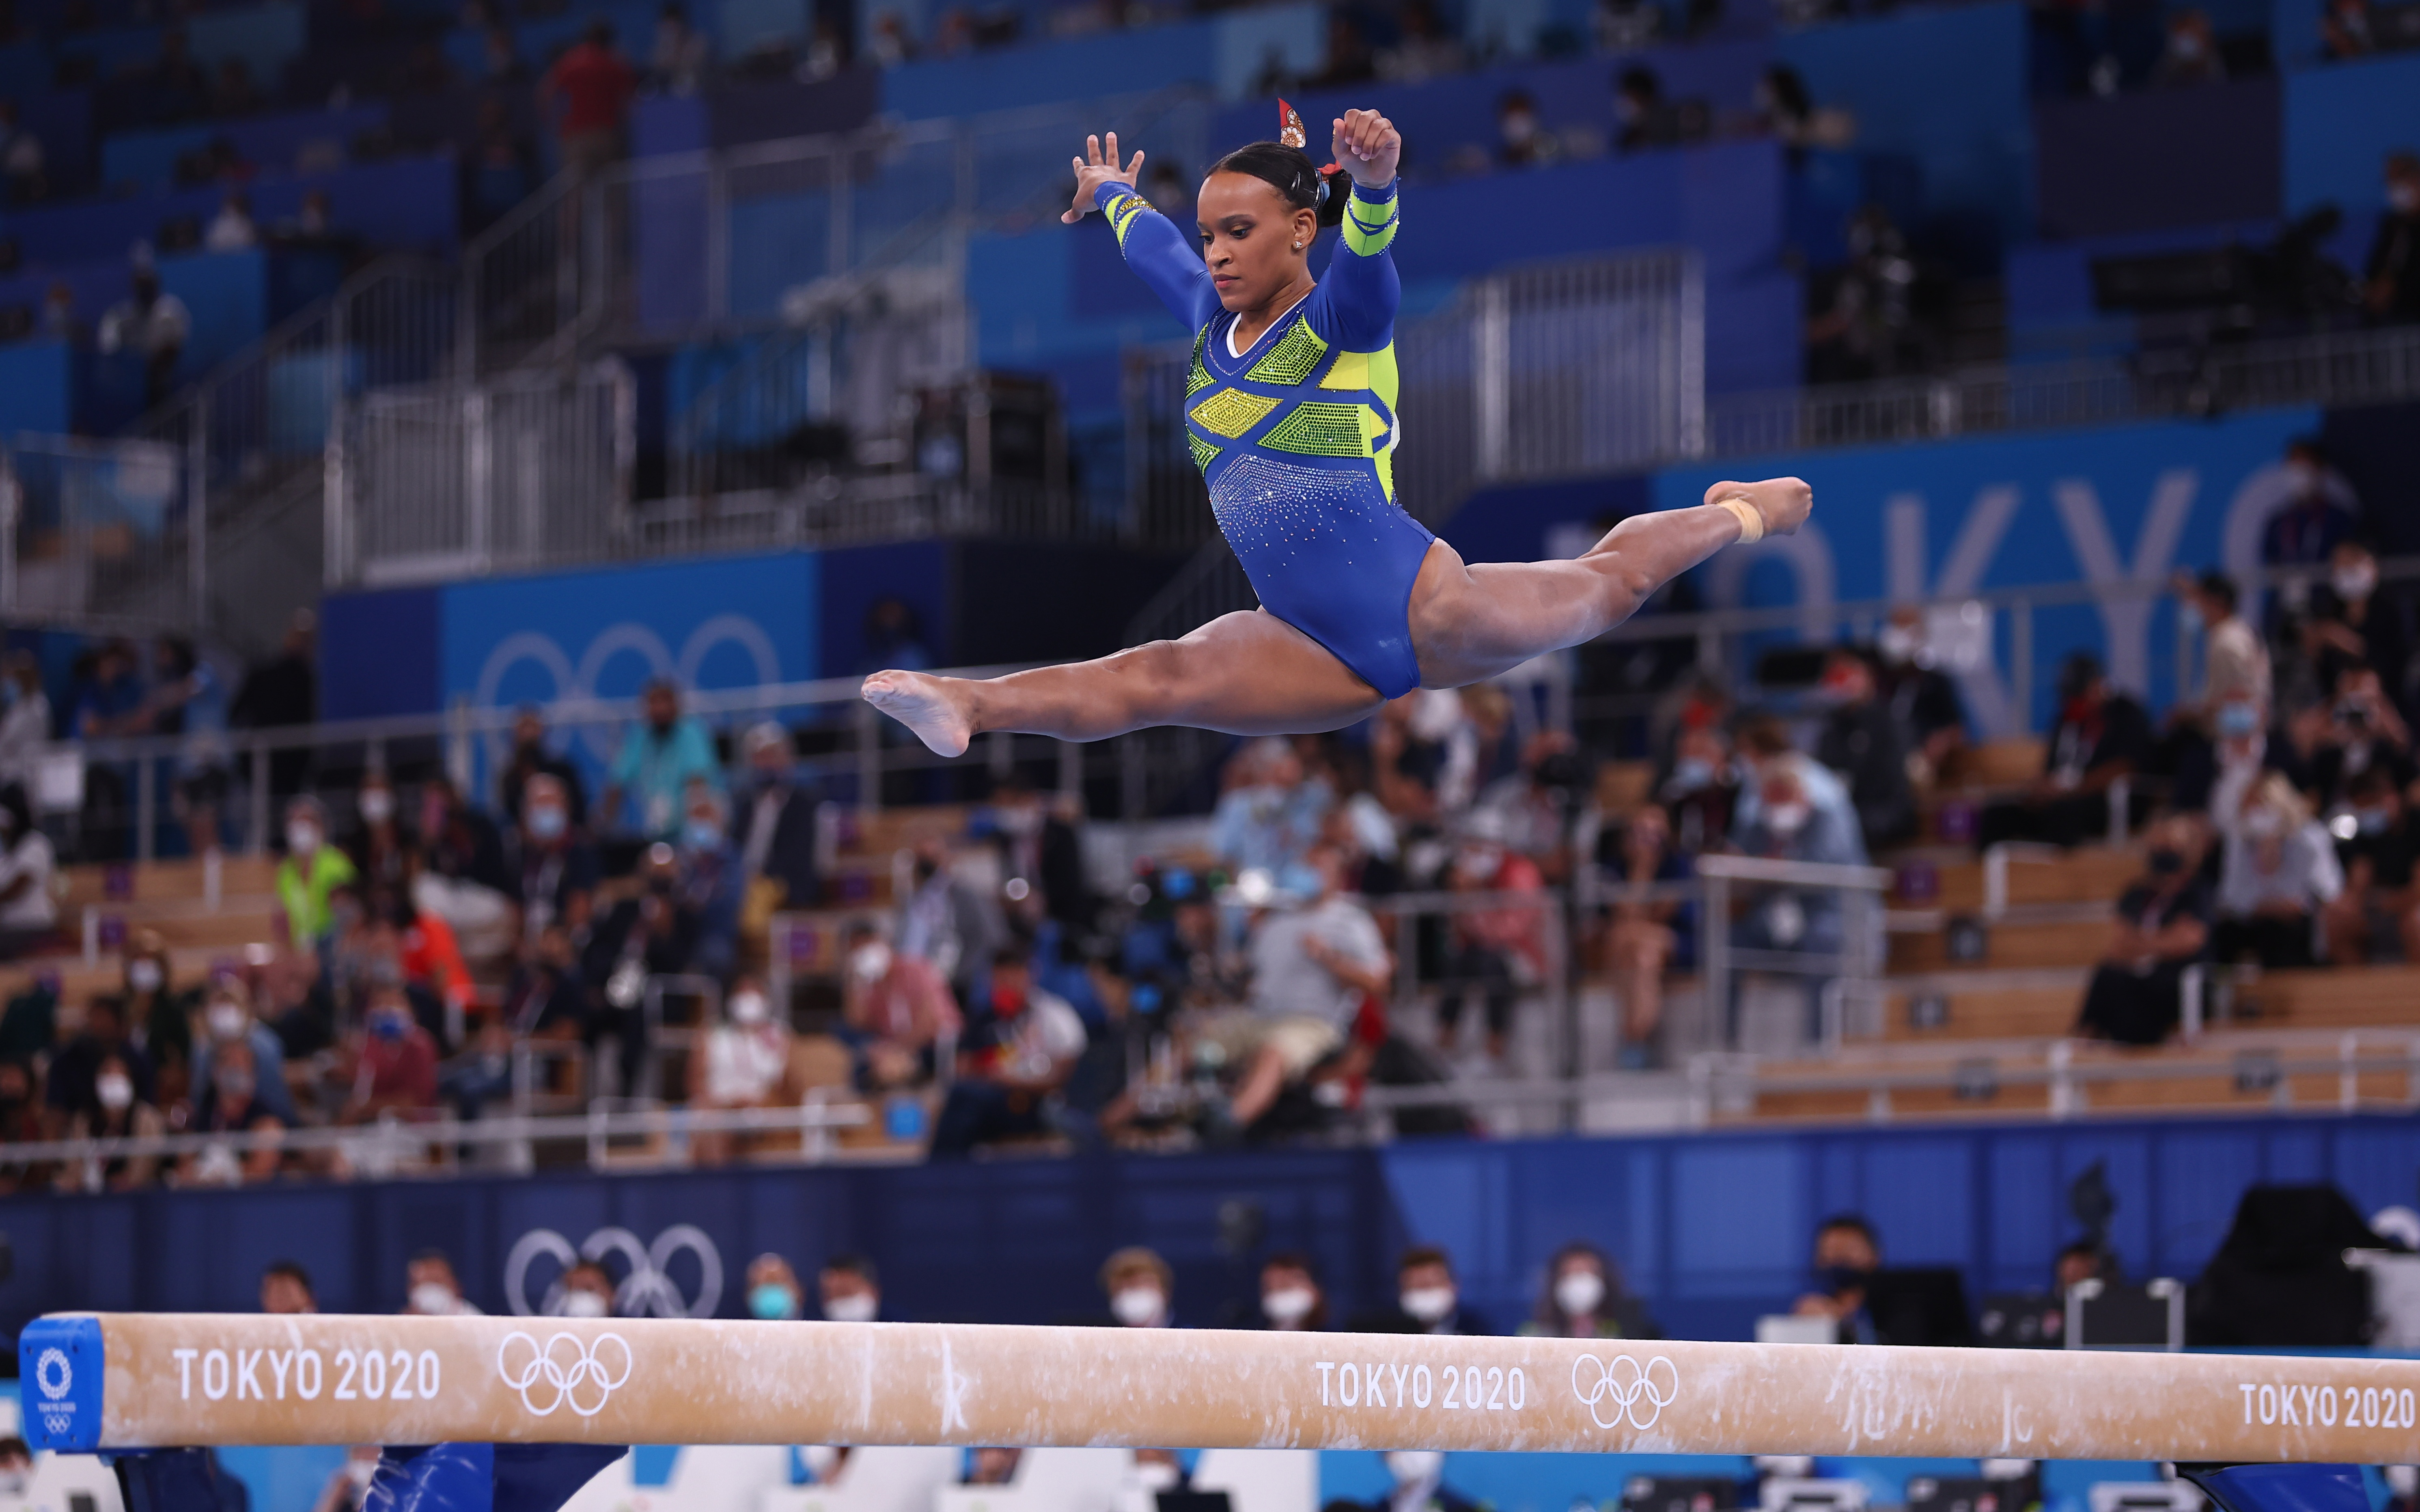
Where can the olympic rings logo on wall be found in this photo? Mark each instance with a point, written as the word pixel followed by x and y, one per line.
pixel 577 682
pixel 647 1287
pixel 583 1383
pixel 1634 1390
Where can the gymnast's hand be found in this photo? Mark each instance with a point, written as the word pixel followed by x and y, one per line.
pixel 1368 147
pixel 1102 169
pixel 1784 503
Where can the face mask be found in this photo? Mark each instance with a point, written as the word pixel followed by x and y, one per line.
pixel 144 976
pixel 1897 645
pixel 13 1483
pixel 2354 583
pixel 750 1009
pixel 1693 774
pixel 1519 126
pixel 1157 1476
pixel 225 1020
pixel 235 1084
pixel 378 805
pixel 1428 1304
pixel 857 1307
pixel 547 821
pixel 1138 1306
pixel 301 839
pixel 2237 721
pixel 2167 863
pixel 584 1304
pixel 1410 1466
pixel 870 962
pixel 821 1460
pixel 1288 1305
pixel 1787 819
pixel 117 1094
pixel 433 1297
pixel 771 1300
pixel 702 834
pixel 2264 823
pixel 388 1026
pixel 1578 1292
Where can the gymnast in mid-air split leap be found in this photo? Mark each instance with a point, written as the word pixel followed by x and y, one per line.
pixel 1290 406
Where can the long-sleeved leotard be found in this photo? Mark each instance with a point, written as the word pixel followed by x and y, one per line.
pixel 1296 437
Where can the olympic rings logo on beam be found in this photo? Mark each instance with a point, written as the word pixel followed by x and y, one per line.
pixel 647 1287
pixel 564 1380
pixel 1633 1389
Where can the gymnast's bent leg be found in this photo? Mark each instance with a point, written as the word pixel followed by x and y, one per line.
pixel 1251 674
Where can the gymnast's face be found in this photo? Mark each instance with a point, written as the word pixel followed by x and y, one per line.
pixel 1248 239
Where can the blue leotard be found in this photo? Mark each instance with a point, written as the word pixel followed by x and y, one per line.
pixel 1296 436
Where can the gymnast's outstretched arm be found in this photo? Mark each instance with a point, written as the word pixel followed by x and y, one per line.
pixel 1161 254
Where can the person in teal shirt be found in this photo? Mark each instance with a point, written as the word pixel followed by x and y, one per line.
pixel 647 786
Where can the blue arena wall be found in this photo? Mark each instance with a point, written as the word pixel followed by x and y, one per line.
pixel 1712 1230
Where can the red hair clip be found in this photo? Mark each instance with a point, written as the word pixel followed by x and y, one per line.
pixel 1290 133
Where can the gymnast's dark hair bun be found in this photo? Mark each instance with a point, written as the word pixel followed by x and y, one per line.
pixel 1290 171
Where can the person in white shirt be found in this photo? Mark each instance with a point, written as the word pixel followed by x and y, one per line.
pixel 232 230
pixel 1311 966
pixel 745 1064
pixel 2280 869
pixel 29 910
pixel 25 725
pixel 153 325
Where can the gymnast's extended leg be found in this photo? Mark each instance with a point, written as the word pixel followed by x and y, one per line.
pixel 1252 674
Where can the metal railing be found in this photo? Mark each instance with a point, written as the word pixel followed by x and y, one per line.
pixel 518 471
pixel 393 1145
pixel 2334 368
pixel 1559 370
pixel 99 532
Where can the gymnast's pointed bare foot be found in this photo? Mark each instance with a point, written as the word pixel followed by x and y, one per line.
pixel 934 707
pixel 1784 503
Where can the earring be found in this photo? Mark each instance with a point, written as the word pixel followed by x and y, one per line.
pixel 1297 246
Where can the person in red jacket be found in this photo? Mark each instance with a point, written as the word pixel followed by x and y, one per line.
pixel 586 94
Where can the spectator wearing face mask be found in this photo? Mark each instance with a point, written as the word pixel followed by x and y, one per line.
pixel 849 1289
pixel 745 1063
pixel 1498 949
pixel 29 908
pixel 2236 685
pixel 531 758
pixel 1292 1298
pixel 1923 699
pixel 1416 1483
pixel 2391 276
pixel 432 1290
pixel 394 1064
pixel 285 1289
pixel 1020 1047
pixel 1140 1287
pixel 383 850
pixel 2360 731
pixel 2163 926
pixel 1520 141
pixel 73 1072
pixel 1700 793
pixel 1311 965
pixel 775 833
pixel 660 756
pixel 2351 626
pixel 2102 736
pixel 159 1017
pixel 1583 1298
pixel 558 869
pixel 547 998
pixel 463 878
pixel 1270 814
pixel 1860 741
pixel 2317 516
pixel 2192 55
pixel 585 1290
pixel 1847 1255
pixel 116 1113
pixel 773 1293
pixel 1428 1299
pixel 233 1105
pixel 896 1011
pixel 2279 870
pixel 651 934
pixel 1764 750
pixel 711 881
pixel 1787 826
pixel 2376 845
pixel 311 870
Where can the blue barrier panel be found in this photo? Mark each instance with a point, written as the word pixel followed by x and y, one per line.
pixel 410 203
pixel 61 120
pixel 277 144
pixel 1944 519
pixel 2341 121
pixel 742 26
pixel 1043 72
pixel 1945 87
pixel 37 388
pixel 2106 167
pixel 265 39
pixel 228 294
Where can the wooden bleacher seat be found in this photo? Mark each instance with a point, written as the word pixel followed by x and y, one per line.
pixel 861 847
pixel 2088 873
pixel 2336 997
pixel 1996 765
pixel 1985 1011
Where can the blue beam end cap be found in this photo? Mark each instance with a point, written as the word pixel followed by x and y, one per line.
pixel 59 1368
